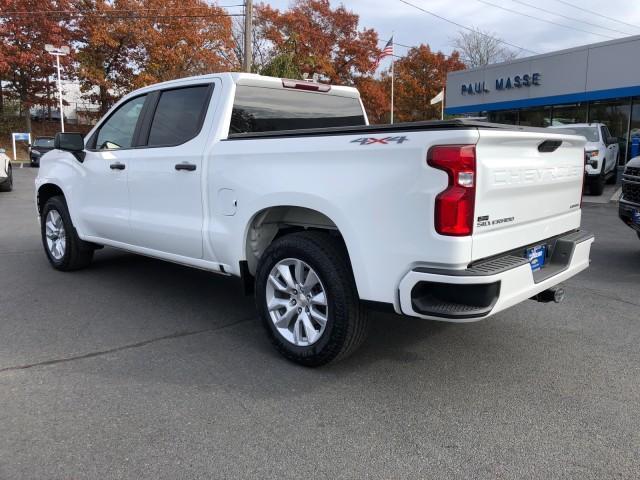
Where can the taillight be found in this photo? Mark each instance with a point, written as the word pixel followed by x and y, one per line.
pixel 455 205
pixel 303 85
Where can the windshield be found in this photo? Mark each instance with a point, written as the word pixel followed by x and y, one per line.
pixel 590 133
pixel 43 142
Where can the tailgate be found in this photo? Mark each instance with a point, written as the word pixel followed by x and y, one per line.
pixel 528 188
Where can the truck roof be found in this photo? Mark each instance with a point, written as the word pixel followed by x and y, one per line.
pixel 253 79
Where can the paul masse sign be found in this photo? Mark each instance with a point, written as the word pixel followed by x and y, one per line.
pixel 502 83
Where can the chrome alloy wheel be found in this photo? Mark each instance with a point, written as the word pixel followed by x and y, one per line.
pixel 297 302
pixel 56 234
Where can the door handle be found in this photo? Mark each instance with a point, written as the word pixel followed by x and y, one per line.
pixel 117 166
pixel 190 167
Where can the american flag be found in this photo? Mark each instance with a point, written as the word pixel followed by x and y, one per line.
pixel 387 51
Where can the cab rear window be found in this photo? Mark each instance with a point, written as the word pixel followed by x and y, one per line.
pixel 259 109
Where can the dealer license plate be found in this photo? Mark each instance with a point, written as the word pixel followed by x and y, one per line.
pixel 537 256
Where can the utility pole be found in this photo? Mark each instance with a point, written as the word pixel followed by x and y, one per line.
pixel 58 52
pixel 248 29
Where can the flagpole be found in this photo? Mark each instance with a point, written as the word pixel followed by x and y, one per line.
pixel 392 74
pixel 442 104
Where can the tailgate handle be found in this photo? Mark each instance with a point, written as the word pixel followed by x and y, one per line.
pixel 549 146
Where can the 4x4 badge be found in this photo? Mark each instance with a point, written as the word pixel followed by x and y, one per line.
pixel 383 141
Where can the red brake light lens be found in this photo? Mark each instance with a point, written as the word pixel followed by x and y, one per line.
pixel 302 85
pixel 454 210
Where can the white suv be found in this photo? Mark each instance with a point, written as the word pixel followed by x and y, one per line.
pixel 602 154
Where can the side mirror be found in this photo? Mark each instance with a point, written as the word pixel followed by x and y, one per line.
pixel 613 140
pixel 70 142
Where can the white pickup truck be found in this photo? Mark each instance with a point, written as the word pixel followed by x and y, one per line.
pixel 602 154
pixel 284 184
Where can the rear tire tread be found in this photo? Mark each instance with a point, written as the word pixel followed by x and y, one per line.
pixel 349 328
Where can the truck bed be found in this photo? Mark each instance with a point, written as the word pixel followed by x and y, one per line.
pixel 453 124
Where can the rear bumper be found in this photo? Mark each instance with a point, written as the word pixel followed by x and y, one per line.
pixel 490 286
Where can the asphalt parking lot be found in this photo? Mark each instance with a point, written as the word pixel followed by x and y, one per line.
pixel 135 368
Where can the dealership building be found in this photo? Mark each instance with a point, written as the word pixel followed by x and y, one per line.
pixel 593 83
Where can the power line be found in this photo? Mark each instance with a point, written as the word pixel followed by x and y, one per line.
pixel 543 20
pixel 582 9
pixel 412 46
pixel 570 18
pixel 466 28
pixel 118 15
pixel 115 10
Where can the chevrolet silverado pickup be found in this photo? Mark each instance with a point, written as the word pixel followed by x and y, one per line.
pixel 284 184
pixel 629 204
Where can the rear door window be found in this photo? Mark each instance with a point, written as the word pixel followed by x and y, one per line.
pixel 178 116
pixel 259 109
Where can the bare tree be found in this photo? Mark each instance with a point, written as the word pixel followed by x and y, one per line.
pixel 478 48
pixel 262 50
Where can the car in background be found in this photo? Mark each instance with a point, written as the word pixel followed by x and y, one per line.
pixel 6 175
pixel 602 153
pixel 629 205
pixel 39 147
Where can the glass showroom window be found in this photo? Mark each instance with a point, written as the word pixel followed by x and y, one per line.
pixel 535 117
pixel 634 131
pixel 568 114
pixel 614 114
pixel 504 116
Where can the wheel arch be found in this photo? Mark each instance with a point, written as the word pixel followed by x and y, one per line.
pixel 45 192
pixel 270 223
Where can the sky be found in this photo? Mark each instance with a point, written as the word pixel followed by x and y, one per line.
pixel 410 26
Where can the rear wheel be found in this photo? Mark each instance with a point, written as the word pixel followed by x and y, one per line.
pixel 7 186
pixel 61 243
pixel 307 298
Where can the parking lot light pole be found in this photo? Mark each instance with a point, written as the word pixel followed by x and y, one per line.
pixel 58 52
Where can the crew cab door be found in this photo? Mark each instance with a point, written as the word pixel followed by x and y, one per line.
pixel 165 179
pixel 102 193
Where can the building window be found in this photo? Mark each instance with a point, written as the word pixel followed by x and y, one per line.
pixel 568 114
pixel 535 117
pixel 615 114
pixel 509 117
pixel 634 129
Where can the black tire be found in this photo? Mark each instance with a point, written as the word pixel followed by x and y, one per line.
pixel 346 324
pixel 596 185
pixel 611 180
pixel 77 254
pixel 7 185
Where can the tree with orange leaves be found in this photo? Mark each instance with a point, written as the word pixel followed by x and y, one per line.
pixel 321 39
pixel 420 76
pixel 25 29
pixel 126 44
pixel 375 94
pixel 183 38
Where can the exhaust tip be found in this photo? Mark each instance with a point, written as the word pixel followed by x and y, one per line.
pixel 553 294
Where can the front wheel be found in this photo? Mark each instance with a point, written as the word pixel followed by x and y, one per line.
pixel 611 180
pixel 596 186
pixel 61 243
pixel 307 299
